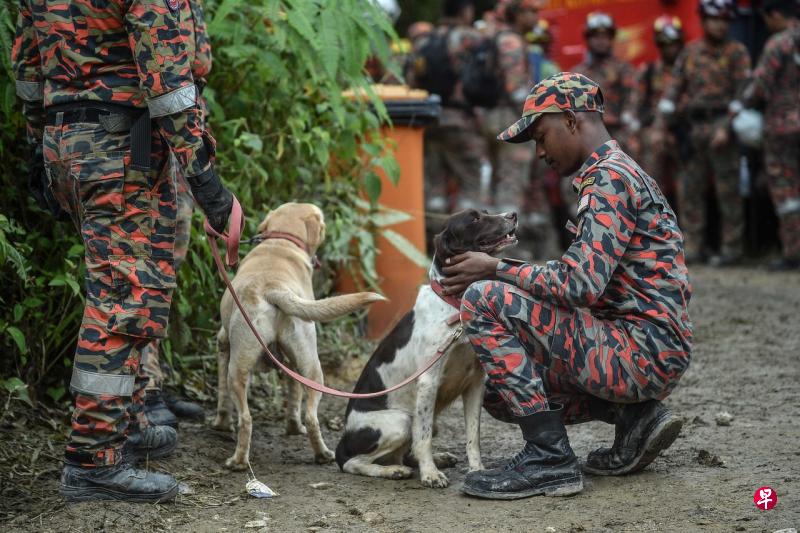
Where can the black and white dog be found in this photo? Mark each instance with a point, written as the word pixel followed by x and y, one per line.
pixel 380 432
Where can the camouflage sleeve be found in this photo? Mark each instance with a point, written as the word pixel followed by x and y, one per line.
pixel 514 65
pixel 741 72
pixel 606 220
pixel 765 75
pixel 677 84
pixel 165 77
pixel 26 67
pixel 201 66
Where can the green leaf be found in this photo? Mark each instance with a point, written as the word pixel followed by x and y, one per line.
pixel 19 311
pixel 390 217
pixel 18 337
pixel 56 393
pixel 391 168
pixel 372 186
pixel 13 384
pixel 407 248
pixel 76 289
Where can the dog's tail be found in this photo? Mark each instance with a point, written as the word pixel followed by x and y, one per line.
pixel 321 310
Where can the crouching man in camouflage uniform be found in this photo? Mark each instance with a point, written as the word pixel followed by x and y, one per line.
pixel 109 94
pixel 602 334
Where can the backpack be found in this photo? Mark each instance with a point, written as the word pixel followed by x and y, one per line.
pixel 433 67
pixel 481 79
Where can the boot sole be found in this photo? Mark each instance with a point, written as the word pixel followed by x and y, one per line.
pixel 566 487
pixel 660 438
pixel 75 494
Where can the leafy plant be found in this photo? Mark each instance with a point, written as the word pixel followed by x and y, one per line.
pixel 284 132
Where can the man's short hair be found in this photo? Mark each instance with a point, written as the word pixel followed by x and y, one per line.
pixel 787 8
pixel 453 8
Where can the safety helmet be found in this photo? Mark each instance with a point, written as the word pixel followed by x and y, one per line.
pixel 717 8
pixel 599 21
pixel 667 29
pixel 540 34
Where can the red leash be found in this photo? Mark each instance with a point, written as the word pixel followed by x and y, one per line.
pixel 236 223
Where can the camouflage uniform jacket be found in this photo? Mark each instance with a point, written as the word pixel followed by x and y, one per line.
pixel 617 80
pixel 129 52
pixel 776 82
pixel 626 263
pixel 653 79
pixel 709 77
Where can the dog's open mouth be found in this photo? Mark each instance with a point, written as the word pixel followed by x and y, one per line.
pixel 495 245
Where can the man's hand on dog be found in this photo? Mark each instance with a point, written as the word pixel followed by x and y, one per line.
pixel 464 269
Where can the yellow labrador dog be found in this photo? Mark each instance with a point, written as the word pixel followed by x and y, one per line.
pixel 274 285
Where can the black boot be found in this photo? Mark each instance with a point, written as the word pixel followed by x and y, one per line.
pixel 642 431
pixel 156 410
pixel 153 442
pixel 184 408
pixel 117 482
pixel 546 465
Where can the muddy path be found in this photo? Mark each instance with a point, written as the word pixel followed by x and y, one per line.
pixel 746 362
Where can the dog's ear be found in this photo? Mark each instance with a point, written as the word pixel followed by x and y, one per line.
pixel 315 229
pixel 441 246
pixel 265 223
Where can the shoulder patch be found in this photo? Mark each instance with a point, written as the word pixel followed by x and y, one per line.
pixel 174 5
pixel 586 182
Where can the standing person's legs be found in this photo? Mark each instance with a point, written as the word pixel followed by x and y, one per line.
pixel 692 194
pixel 157 411
pixel 725 165
pixel 782 161
pixel 464 152
pixel 126 219
pixel 436 182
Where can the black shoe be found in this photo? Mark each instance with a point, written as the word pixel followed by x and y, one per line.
pixel 118 482
pixel 642 431
pixel 546 465
pixel 183 408
pixel 783 264
pixel 153 442
pixel 156 410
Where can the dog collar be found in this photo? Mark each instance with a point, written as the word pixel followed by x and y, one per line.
pixel 454 301
pixel 293 239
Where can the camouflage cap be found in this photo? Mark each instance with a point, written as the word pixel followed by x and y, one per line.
pixel 556 94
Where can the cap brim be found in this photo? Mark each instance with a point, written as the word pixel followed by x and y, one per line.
pixel 520 131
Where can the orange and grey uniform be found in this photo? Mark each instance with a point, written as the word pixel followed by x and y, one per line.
pixel 113 76
pixel 707 83
pixel 193 26
pixel 609 319
pixel 776 86
pixel 617 79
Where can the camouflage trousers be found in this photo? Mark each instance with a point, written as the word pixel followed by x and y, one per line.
pixel 150 376
pixel 518 185
pixel 782 161
pixel 658 156
pixel 455 159
pixel 535 353
pixel 127 220
pixel 723 165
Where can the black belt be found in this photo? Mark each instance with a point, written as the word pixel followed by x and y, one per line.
pixel 91 112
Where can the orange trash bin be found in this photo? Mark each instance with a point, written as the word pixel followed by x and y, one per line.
pixel 399 276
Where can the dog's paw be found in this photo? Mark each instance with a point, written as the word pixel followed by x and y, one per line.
pixel 221 423
pixel 445 460
pixel 477 467
pixel 434 480
pixel 295 427
pixel 399 472
pixel 323 457
pixel 235 464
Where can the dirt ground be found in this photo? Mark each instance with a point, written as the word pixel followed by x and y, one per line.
pixel 746 362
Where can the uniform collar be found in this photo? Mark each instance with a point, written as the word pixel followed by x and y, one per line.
pixel 600 153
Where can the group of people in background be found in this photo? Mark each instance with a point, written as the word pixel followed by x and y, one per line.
pixel 675 115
